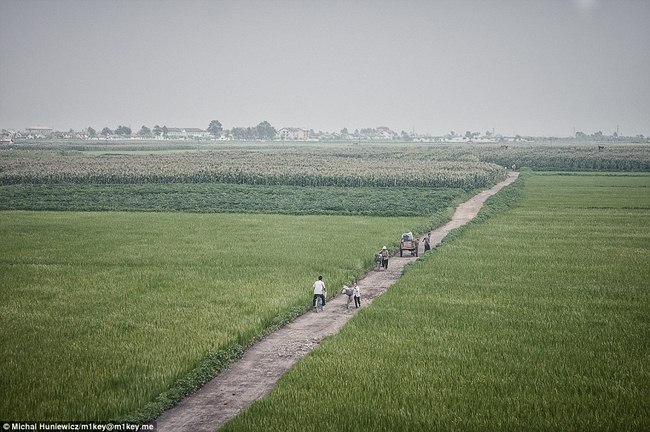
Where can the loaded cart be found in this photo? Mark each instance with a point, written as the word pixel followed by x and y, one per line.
pixel 409 243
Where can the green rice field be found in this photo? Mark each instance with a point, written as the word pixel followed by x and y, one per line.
pixel 534 318
pixel 131 273
pixel 104 312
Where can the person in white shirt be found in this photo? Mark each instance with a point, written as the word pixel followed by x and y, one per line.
pixel 319 290
pixel 357 295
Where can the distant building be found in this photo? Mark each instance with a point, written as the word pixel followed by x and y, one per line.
pixel 185 133
pixel 385 133
pixel 38 131
pixel 293 134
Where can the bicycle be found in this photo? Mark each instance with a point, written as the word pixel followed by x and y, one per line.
pixel 318 307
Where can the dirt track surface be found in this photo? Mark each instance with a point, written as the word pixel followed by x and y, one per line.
pixel 254 375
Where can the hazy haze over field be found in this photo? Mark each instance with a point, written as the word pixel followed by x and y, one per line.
pixel 524 67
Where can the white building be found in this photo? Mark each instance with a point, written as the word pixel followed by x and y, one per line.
pixel 38 131
pixel 185 133
pixel 293 134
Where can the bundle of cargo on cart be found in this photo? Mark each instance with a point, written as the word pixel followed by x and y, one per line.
pixel 409 243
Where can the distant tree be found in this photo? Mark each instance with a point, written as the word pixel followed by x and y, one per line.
pixel 405 136
pixel 239 133
pixel 468 135
pixel 123 130
pixel 164 131
pixel 106 132
pixel 157 130
pixel 265 131
pixel 91 132
pixel 344 131
pixel 144 131
pixel 215 128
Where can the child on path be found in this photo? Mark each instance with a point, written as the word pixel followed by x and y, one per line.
pixel 357 295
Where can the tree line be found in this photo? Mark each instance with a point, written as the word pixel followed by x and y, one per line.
pixel 263 130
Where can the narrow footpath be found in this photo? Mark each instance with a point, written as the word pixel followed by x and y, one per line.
pixel 254 375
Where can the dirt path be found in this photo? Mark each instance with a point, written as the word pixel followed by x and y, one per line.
pixel 255 374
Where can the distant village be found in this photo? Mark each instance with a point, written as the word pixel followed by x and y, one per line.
pixel 380 133
pixel 265 132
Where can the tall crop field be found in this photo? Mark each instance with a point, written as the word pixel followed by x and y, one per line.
pixel 103 313
pixel 251 167
pixel 569 157
pixel 537 318
pixel 226 198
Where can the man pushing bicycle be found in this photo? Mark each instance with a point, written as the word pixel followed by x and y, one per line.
pixel 319 291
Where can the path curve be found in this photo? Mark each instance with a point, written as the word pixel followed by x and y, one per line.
pixel 254 375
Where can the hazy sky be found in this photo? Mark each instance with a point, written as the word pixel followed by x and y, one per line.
pixel 529 67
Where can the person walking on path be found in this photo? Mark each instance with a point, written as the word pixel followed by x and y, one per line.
pixel 357 295
pixel 427 243
pixel 384 257
pixel 319 290
pixel 348 291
